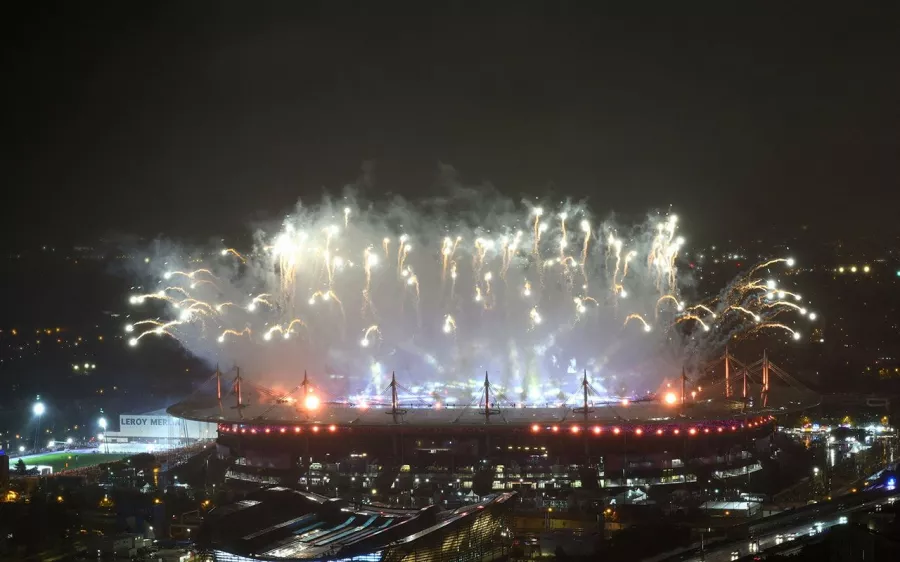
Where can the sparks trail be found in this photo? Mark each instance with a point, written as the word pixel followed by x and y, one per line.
pixel 639 318
pixel 702 307
pixel 697 319
pixel 367 333
pixel 235 253
pixel 285 331
pixel 748 312
pixel 244 332
pixel 678 305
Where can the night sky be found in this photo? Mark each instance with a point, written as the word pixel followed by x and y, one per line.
pixel 191 119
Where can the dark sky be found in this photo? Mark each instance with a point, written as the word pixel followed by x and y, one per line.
pixel 191 118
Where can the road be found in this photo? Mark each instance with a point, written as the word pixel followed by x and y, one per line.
pixel 801 526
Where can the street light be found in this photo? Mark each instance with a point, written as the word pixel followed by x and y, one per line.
pixel 102 423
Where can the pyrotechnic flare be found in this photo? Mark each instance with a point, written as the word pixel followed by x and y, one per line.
pixel 446 252
pixel 537 212
pixel 535 316
pixel 449 324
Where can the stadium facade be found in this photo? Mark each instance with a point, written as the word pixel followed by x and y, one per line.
pixel 436 452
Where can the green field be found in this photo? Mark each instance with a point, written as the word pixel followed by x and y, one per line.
pixel 74 460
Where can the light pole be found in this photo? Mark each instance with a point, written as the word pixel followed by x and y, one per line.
pixel 102 423
pixel 38 409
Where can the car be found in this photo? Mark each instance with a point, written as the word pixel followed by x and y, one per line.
pixel 779 539
pixel 813 531
pixel 842 520
pixel 735 555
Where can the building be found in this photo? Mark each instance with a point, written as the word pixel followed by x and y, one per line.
pixel 282 524
pixel 155 431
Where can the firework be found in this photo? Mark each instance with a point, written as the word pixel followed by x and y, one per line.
pixel 517 314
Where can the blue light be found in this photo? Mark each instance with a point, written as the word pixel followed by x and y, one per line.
pixel 891 482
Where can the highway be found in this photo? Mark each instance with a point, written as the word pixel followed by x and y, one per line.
pixel 800 526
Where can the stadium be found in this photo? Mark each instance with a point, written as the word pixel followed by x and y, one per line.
pixel 696 431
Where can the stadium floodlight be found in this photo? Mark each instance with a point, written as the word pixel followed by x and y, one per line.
pixel 68 441
pixel 102 423
pixel 39 408
pixel 21 448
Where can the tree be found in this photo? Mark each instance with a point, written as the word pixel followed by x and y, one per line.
pixel 20 468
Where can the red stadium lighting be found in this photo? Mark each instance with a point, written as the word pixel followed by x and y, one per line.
pixel 315 429
pixel 597 430
pixel 616 430
pixel 705 430
pixel 535 428
pixel 555 428
pixel 734 428
pixel 575 429
pixel 639 431
pixel 659 432
pixel 719 430
pixel 243 430
pixel 282 430
pixel 693 431
pixel 268 430
pixel 253 431
pixel 296 429
pixel 332 428
pixel 676 431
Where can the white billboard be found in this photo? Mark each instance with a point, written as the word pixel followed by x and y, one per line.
pixel 162 427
